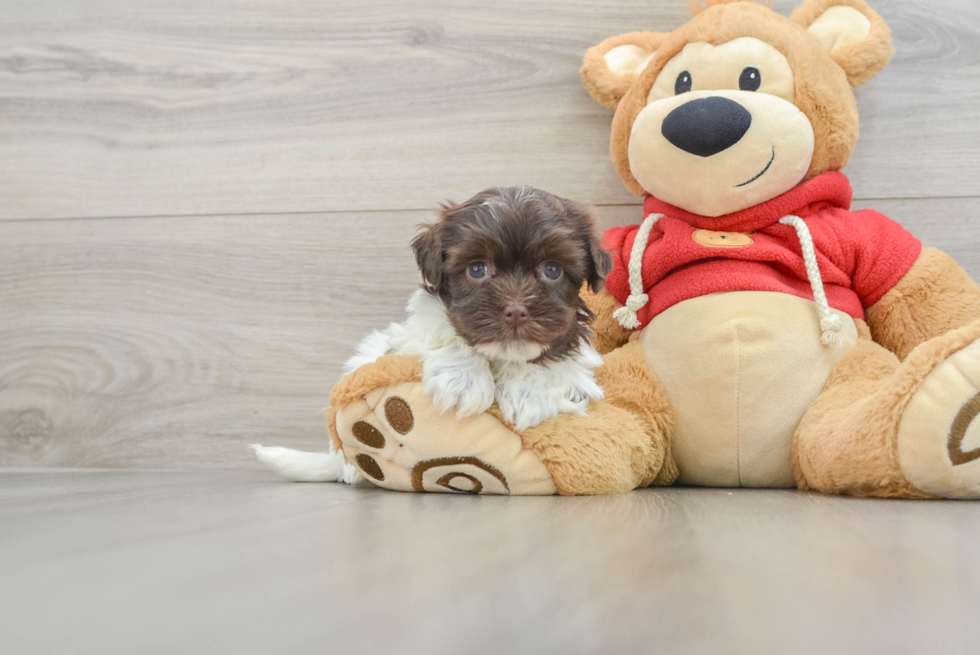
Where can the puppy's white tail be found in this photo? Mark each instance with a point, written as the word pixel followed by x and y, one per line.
pixel 301 466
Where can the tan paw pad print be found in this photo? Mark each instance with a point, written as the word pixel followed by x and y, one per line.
pixel 400 441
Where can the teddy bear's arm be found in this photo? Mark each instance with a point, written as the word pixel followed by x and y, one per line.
pixel 609 334
pixel 935 296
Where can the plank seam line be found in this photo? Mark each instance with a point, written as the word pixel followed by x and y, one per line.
pixel 432 209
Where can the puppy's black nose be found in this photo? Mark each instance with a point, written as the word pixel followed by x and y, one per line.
pixel 515 314
pixel 706 126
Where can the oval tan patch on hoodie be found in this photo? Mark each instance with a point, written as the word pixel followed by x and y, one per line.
pixel 714 239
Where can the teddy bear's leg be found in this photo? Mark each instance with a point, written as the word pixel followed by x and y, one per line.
pixel 388 427
pixel 897 429
pixel 623 443
pixel 390 430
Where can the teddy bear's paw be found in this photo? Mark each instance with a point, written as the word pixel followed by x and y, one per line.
pixel 399 440
pixel 939 432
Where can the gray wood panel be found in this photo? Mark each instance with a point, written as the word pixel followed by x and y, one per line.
pixel 174 342
pixel 186 107
pixel 219 562
pixel 182 340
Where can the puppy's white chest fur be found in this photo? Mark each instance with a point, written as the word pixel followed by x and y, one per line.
pixel 470 380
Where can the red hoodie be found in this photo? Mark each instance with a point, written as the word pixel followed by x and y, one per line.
pixel 861 254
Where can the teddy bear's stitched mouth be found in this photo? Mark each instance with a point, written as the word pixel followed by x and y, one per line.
pixel 762 172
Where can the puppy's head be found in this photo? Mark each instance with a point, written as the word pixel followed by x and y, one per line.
pixel 508 264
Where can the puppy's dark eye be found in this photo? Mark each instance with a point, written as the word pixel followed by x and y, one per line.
pixel 750 80
pixel 683 83
pixel 551 271
pixel 476 270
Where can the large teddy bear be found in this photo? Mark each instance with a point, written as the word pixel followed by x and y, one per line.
pixel 755 331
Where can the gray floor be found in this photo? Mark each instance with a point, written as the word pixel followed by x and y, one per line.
pixel 99 561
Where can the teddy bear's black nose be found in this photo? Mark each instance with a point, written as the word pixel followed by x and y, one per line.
pixel 706 126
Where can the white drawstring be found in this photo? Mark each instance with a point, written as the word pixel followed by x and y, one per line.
pixel 637 300
pixel 830 323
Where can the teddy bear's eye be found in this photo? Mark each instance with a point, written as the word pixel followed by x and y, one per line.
pixel 683 83
pixel 750 80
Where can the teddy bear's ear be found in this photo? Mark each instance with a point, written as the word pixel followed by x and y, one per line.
pixel 857 38
pixel 610 68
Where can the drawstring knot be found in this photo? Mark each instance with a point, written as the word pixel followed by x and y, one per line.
pixel 627 315
pixel 831 326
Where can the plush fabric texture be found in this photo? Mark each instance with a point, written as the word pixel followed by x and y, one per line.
pixel 671 139
pixel 731 365
pixel 389 369
pixel 609 334
pixel 847 442
pixel 861 255
pixel 939 434
pixel 631 386
pixel 934 297
pixel 400 441
pixel 606 87
pixel 622 444
pixel 823 91
pixel 753 143
pixel 862 60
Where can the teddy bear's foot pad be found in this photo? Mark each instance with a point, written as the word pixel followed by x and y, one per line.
pixel 939 434
pixel 400 441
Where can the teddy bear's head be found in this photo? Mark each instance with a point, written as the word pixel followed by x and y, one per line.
pixel 739 105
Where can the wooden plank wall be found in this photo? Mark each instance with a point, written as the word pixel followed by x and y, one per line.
pixel 205 203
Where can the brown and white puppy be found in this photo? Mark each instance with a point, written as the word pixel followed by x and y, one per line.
pixel 499 316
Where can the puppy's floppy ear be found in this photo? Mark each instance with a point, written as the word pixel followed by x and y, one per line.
pixel 599 261
pixel 427 246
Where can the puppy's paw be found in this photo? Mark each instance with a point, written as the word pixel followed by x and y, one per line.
pixel 524 404
pixel 467 387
